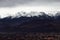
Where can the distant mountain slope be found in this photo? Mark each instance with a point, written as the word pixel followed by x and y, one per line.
pixel 41 23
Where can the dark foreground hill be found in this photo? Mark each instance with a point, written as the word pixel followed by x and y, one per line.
pixel 44 23
pixel 30 36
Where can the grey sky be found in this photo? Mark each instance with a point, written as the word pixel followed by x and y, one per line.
pixel 11 3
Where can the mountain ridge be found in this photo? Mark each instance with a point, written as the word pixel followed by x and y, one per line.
pixel 41 23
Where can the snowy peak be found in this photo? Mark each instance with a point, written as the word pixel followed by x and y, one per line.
pixel 30 14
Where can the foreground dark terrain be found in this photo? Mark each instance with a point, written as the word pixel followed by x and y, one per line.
pixel 42 27
pixel 30 36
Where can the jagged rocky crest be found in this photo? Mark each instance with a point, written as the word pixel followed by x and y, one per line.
pixel 40 23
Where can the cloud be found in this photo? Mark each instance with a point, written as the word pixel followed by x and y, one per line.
pixel 5 3
pixel 9 3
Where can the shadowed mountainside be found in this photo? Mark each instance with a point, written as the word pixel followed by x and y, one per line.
pixel 41 23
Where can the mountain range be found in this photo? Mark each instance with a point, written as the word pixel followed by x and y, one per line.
pixel 40 23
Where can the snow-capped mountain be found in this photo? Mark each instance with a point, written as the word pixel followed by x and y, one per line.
pixel 42 22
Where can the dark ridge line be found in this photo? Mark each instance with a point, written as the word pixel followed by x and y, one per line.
pixel 44 23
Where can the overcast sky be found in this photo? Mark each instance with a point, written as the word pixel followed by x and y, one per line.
pixel 13 6
pixel 11 3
